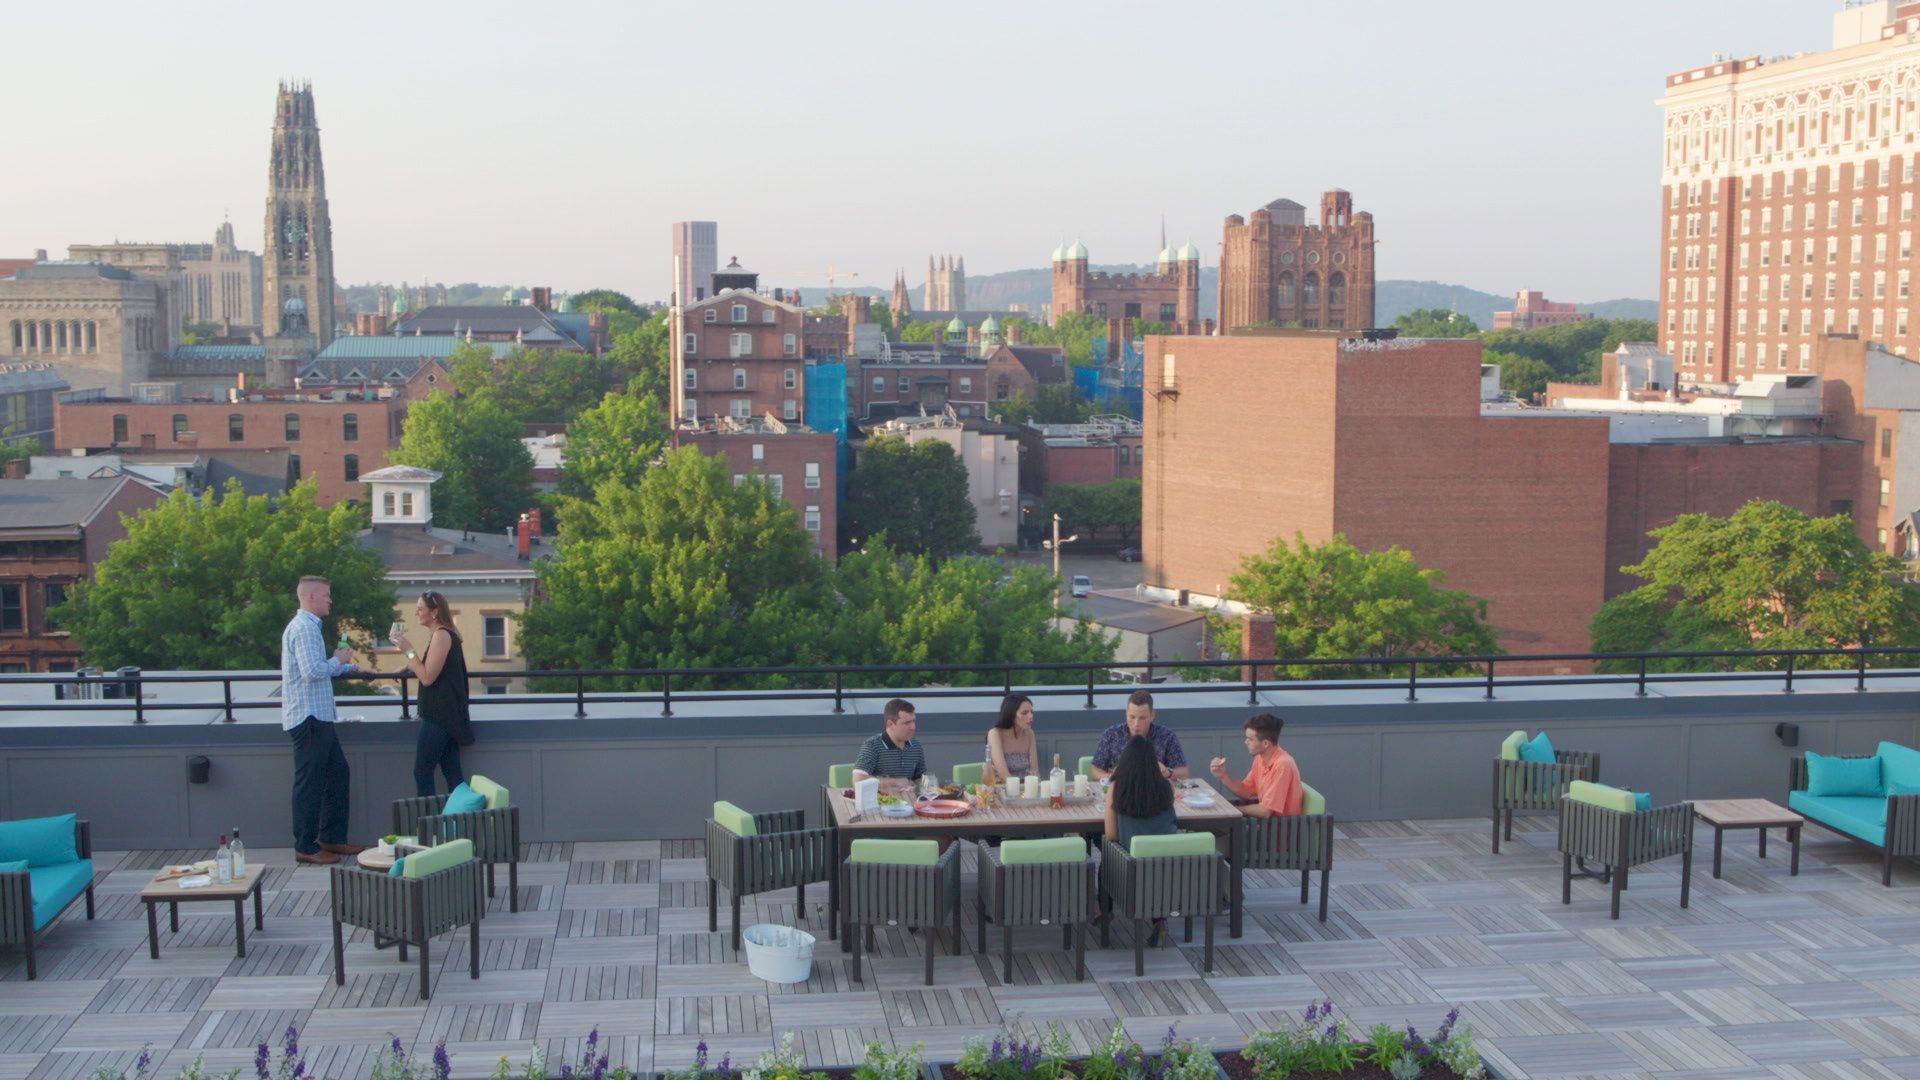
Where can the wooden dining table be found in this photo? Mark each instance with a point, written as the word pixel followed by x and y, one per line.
pixel 1024 819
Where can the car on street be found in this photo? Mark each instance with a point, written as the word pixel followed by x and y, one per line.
pixel 1079 585
pixel 1128 554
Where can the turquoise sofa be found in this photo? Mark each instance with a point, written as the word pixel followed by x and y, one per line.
pixel 45 865
pixel 1879 807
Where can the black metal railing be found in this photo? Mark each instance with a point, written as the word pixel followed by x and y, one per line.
pixel 121 690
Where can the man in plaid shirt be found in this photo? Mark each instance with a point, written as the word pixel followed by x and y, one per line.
pixel 1166 744
pixel 320 773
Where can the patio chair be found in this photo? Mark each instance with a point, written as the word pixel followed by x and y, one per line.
pixel 437 889
pixel 756 853
pixel 1177 876
pixel 1534 786
pixel 902 883
pixel 839 778
pixel 1603 824
pixel 1303 843
pixel 1881 809
pixel 495 831
pixel 969 772
pixel 1037 883
pixel 45 865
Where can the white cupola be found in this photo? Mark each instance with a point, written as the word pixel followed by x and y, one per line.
pixel 401 495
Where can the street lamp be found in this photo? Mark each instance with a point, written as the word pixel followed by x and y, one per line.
pixel 1054 546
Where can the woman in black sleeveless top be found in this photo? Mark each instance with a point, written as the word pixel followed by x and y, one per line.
pixel 444 723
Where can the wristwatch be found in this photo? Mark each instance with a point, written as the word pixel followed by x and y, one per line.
pixel 411 655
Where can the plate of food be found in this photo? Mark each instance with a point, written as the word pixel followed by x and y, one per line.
pixel 943 808
pixel 1198 801
pixel 952 791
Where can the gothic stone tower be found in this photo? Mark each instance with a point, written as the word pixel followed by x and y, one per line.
pixel 946 283
pixel 299 234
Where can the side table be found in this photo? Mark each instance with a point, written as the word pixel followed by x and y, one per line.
pixel 168 891
pixel 1760 814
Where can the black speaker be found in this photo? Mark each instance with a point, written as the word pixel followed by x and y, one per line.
pixel 198 769
pixel 1789 734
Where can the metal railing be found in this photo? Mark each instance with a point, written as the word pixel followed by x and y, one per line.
pixel 1090 679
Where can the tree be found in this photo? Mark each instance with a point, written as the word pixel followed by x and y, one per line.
pixel 1334 600
pixel 1521 376
pixel 1087 508
pixel 923 331
pixel 883 315
pixel 1435 323
pixel 605 300
pixel 897 609
pixel 1052 403
pixel 207 583
pixel 616 440
pixel 1767 577
pixel 641 357
pixel 530 384
pixel 915 494
pixel 685 569
pixel 487 473
pixel 1073 331
pixel 25 448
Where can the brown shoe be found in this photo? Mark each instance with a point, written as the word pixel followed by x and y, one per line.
pixel 318 858
pixel 343 849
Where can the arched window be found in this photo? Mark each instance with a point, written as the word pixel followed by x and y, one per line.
pixel 1337 290
pixel 1285 290
pixel 1310 290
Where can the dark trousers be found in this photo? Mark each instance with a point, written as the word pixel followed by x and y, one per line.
pixel 320 786
pixel 435 748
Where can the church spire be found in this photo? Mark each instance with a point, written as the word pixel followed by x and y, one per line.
pixel 298 258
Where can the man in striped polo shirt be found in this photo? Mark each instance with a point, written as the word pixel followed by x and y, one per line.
pixel 893 755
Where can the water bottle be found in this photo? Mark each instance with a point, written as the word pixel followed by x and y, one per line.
pixel 223 863
pixel 239 852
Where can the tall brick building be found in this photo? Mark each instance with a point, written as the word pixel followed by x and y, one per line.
pixel 1276 270
pixel 1171 294
pixel 740 356
pixel 1787 200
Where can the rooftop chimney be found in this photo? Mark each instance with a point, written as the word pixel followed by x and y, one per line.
pixel 16 468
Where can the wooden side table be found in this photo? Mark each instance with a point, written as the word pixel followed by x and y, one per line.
pixel 168 891
pixel 1724 814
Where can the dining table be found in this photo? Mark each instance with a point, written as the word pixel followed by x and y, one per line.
pixel 1022 818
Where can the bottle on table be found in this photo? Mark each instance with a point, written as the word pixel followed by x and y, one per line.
pixel 1057 784
pixel 223 863
pixel 239 852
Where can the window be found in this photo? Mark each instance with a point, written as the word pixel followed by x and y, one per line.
pixel 777 482
pixel 1886 492
pixel 966 385
pixel 493 633
pixel 236 427
pixel 740 408
pixel 788 379
pixel 406 504
pixel 759 451
pixel 1806 356
pixel 813 519
pixel 879 384
pixel 386 503
pixel 1859 212
pixel 1886 442
pixel 790 410
pixel 739 378
pixel 690 379
pixel 350 427
pixel 350 467
pixel 906 385
pixel 119 427
pixel 293 427
pixel 766 315
pixel 813 474
pixel 739 345
pixel 1906 284
pixel 293 469
pixel 788 344
pixel 691 346
pixel 1879 284
pixel 710 315
pixel 1167 313
pixel 1853 286
pixel 13 614
pixel 179 426
pixel 1882 534
pixel 1833 285
pixel 53 595
pixel 739 313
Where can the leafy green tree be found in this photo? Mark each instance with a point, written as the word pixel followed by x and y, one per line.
pixel 605 300
pixel 915 494
pixel 641 358
pixel 1087 508
pixel 616 440
pixel 883 315
pixel 684 569
pixel 531 385
pixel 1073 331
pixel 1767 577
pixel 1435 323
pixel 1521 376
pixel 207 583
pixel 487 479
pixel 899 609
pixel 25 448
pixel 1052 403
pixel 1334 600
pixel 923 331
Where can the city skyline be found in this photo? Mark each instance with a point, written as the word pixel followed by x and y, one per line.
pixel 568 165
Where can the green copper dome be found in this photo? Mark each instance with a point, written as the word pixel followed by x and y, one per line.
pixel 956 326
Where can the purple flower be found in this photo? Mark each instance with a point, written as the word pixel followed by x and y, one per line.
pixel 1313 1012
pixel 146 1059
pixel 442 1064
pixel 1332 1030
pixel 260 1059
pixel 1120 1057
pixel 700 1056
pixel 1168 1041
pixel 566 1072
pixel 997 1050
pixel 299 1069
pixel 599 1068
pixel 593 1037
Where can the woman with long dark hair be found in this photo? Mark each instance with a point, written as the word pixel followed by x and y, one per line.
pixel 444 724
pixel 1140 803
pixel 1010 742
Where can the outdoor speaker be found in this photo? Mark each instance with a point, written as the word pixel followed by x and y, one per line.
pixel 198 769
pixel 1789 734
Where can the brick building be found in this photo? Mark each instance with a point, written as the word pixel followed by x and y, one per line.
pixel 1103 449
pixel 1171 294
pixel 1277 270
pixel 1532 310
pixel 801 464
pixel 1787 200
pixel 333 437
pixel 741 356
pixel 52 534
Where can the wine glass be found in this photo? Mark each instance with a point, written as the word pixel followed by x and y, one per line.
pixel 397 631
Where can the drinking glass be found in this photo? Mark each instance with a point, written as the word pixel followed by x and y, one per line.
pixel 396 631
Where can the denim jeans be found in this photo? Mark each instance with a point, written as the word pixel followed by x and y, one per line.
pixel 435 748
pixel 320 786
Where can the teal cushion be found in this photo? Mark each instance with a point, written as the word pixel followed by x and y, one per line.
pixel 896 852
pixel 734 820
pixel 1899 769
pixel 496 796
pixel 1538 749
pixel 1510 747
pixel 54 887
pixel 1056 850
pixel 1186 843
pixel 970 772
pixel 1863 816
pixel 464 800
pixel 45 841
pixel 437 858
pixel 17 866
pixel 840 775
pixel 399 867
pixel 1643 800
pixel 1311 801
pixel 1603 796
pixel 1843 776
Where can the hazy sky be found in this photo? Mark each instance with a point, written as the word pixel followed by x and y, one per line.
pixel 1498 144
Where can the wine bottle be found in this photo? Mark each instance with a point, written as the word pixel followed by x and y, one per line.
pixel 223 863
pixel 239 852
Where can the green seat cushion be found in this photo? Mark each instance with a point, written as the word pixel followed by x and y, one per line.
pixel 1056 850
pixel 437 858
pixel 1843 776
pixel 1311 801
pixel 54 887
pixel 1086 765
pixel 1185 843
pixel 45 841
pixel 896 852
pixel 495 795
pixel 1864 816
pixel 464 800
pixel 1899 769
pixel 1510 749
pixel 971 772
pixel 734 820
pixel 1609 798
pixel 840 775
pixel 1538 750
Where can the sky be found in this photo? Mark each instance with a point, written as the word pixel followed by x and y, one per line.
pixel 1500 145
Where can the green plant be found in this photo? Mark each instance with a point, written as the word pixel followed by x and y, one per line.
pixel 1406 1067
pixel 108 1072
pixel 393 1063
pixel 786 1061
pixel 699 1070
pixel 1012 1056
pixel 1387 1042
pixel 884 1064
pixel 1318 1042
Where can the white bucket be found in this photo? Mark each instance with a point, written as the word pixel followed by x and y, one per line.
pixel 778 954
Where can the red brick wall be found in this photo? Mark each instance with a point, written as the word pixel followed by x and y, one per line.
pixel 35 647
pixel 785 456
pixel 766 363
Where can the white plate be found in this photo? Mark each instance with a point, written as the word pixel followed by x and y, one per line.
pixel 1198 802
pixel 198 881
pixel 897 810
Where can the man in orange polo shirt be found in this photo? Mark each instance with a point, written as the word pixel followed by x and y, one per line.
pixel 1273 784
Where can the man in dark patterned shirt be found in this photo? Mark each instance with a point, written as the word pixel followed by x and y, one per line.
pixel 1166 744
pixel 894 755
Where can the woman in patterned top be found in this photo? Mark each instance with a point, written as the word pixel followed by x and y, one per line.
pixel 1010 742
